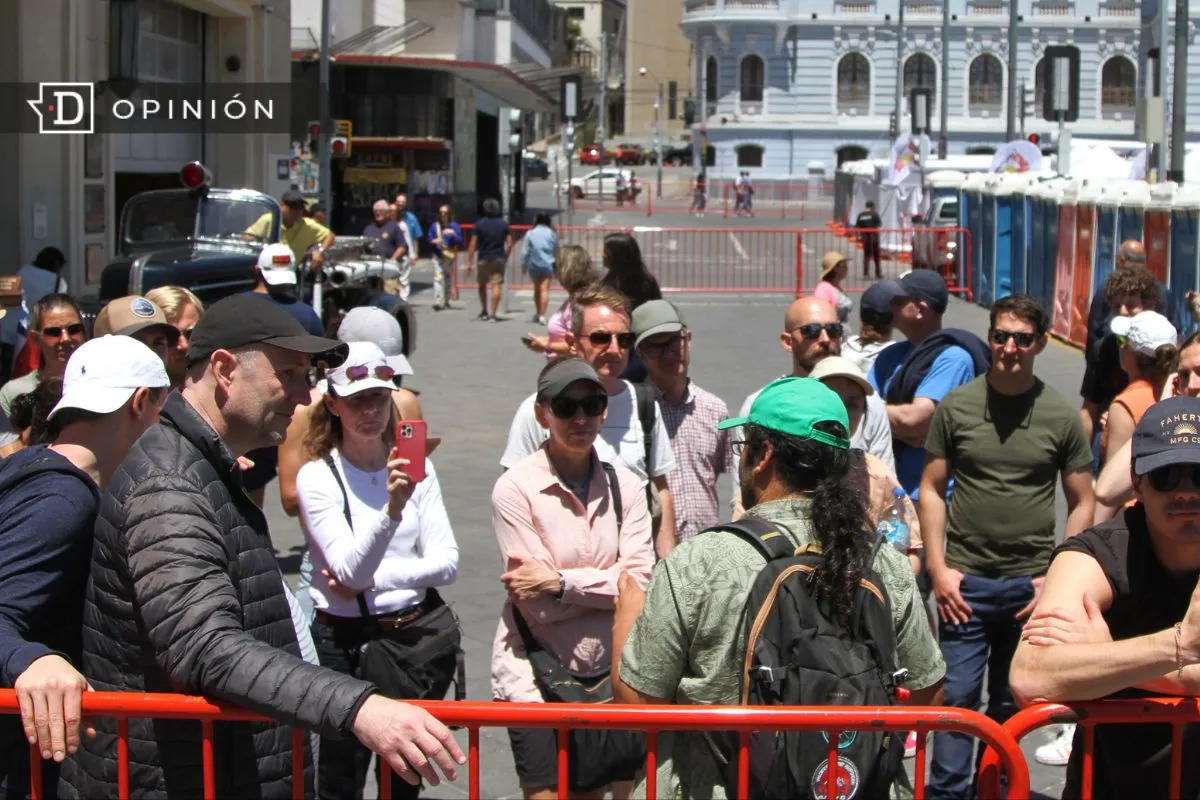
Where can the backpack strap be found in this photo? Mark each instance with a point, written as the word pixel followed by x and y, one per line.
pixel 646 401
pixel 337 476
pixel 615 487
pixel 765 536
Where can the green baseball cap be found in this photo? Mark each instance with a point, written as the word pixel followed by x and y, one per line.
pixel 794 406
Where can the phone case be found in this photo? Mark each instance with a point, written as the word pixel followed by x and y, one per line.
pixel 410 444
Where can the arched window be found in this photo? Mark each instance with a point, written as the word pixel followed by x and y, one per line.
pixel 920 72
pixel 749 155
pixel 1039 88
pixel 751 83
pixel 710 86
pixel 853 84
pixel 986 91
pixel 1118 86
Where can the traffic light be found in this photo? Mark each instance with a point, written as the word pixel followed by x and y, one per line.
pixel 1028 109
pixel 339 147
pixel 893 126
pixel 1035 139
pixel 314 137
pixel 689 110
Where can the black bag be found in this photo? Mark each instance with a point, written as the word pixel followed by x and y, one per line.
pixel 598 757
pixel 798 656
pixel 419 660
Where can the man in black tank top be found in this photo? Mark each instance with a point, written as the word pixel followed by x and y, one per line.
pixel 1119 614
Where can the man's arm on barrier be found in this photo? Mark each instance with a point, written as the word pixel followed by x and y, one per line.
pixel 1091 665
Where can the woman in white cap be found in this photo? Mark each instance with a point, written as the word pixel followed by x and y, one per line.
pixel 385 540
pixel 1149 354
pixel 834 268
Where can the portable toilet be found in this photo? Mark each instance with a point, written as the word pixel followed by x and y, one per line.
pixel 1184 268
pixel 985 293
pixel 1017 199
pixel 1132 212
pixel 1085 253
pixel 1156 235
pixel 1048 199
pixel 1108 223
pixel 1064 266
pixel 971 212
pixel 1035 283
pixel 944 183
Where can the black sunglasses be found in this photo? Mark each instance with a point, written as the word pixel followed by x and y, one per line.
pixel 1167 479
pixel 658 348
pixel 567 407
pixel 55 331
pixel 604 338
pixel 813 330
pixel 1024 340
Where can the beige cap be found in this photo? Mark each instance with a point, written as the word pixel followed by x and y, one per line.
pixel 838 367
pixel 130 315
pixel 830 261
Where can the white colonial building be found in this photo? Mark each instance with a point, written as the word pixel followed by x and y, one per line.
pixel 795 87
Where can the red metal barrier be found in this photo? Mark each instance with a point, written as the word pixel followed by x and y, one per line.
pixel 565 717
pixel 1173 711
pixel 744 260
pixel 900 249
pixel 779 200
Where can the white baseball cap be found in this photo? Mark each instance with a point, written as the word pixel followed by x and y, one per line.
pixel 277 263
pixel 1146 331
pixel 372 324
pixel 839 367
pixel 103 373
pixel 365 367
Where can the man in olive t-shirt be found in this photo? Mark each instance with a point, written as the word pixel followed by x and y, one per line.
pixel 1006 438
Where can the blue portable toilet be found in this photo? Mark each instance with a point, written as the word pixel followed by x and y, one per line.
pixel 1108 228
pixel 1017 199
pixel 1035 267
pixel 971 205
pixel 1049 196
pixel 1131 213
pixel 1000 194
pixel 1184 264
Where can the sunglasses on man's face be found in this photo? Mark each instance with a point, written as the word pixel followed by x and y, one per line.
pixel 1167 479
pixel 383 373
pixel 57 331
pixel 813 330
pixel 567 407
pixel 1024 340
pixel 604 339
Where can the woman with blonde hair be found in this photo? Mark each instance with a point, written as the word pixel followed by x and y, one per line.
pixel 183 310
pixel 575 271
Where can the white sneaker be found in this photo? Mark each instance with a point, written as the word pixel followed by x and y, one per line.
pixel 1057 751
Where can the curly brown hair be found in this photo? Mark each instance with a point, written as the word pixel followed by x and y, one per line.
pixel 1132 280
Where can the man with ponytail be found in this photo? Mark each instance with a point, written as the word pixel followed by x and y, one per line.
pixel 685 639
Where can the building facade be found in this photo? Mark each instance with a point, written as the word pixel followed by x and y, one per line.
pixel 796 87
pixel 67 191
pixel 656 42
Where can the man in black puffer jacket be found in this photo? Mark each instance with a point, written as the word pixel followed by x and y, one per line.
pixel 185 594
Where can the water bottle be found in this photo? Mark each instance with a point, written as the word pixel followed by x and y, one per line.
pixel 893 527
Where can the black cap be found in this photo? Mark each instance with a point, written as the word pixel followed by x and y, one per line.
pixel 1168 433
pixel 922 285
pixel 555 379
pixel 293 200
pixel 246 319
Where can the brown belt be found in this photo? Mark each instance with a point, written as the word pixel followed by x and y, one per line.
pixel 393 621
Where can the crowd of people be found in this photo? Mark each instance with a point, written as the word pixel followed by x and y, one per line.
pixel 899 479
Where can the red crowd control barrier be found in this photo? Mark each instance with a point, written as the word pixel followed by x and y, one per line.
pixel 778 200
pixel 752 260
pixel 1173 711
pixel 565 717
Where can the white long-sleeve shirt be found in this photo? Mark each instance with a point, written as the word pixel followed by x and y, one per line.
pixel 392 562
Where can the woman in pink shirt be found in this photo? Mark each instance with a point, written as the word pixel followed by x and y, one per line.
pixel 575 271
pixel 833 271
pixel 565 543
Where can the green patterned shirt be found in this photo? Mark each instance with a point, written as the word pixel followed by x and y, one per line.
pixel 689 644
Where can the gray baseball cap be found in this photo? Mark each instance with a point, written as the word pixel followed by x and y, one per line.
pixel 655 317
pixel 557 377
pixel 371 324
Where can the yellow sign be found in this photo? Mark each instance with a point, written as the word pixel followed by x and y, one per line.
pixel 344 128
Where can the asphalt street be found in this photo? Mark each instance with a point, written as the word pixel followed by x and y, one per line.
pixel 471 377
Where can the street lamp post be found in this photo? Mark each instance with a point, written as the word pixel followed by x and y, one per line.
pixel 658 156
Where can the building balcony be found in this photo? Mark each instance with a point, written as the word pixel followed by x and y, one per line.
pixel 717 10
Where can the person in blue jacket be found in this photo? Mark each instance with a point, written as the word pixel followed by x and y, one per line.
pixel 539 248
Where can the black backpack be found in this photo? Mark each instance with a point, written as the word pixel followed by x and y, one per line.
pixel 796 655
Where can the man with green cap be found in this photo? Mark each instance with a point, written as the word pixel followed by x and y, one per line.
pixel 683 640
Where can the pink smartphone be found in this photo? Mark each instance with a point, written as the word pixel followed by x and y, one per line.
pixel 410 444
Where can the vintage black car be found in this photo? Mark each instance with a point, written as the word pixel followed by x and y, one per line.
pixel 195 237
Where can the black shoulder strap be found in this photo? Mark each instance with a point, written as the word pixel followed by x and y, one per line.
pixel 645 408
pixel 764 535
pixel 337 476
pixel 615 487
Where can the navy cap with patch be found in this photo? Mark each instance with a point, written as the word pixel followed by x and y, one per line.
pixel 1168 433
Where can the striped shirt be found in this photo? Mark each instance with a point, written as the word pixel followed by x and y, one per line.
pixel 701 454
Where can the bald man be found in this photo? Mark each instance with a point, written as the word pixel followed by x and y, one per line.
pixel 811 332
pixel 1100 314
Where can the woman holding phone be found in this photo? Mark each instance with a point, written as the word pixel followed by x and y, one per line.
pixel 385 541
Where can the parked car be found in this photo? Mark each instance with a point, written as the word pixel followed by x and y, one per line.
pixel 595 154
pixel 600 183
pixel 536 168
pixel 679 155
pixel 627 153
pixel 935 245
pixel 195 237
